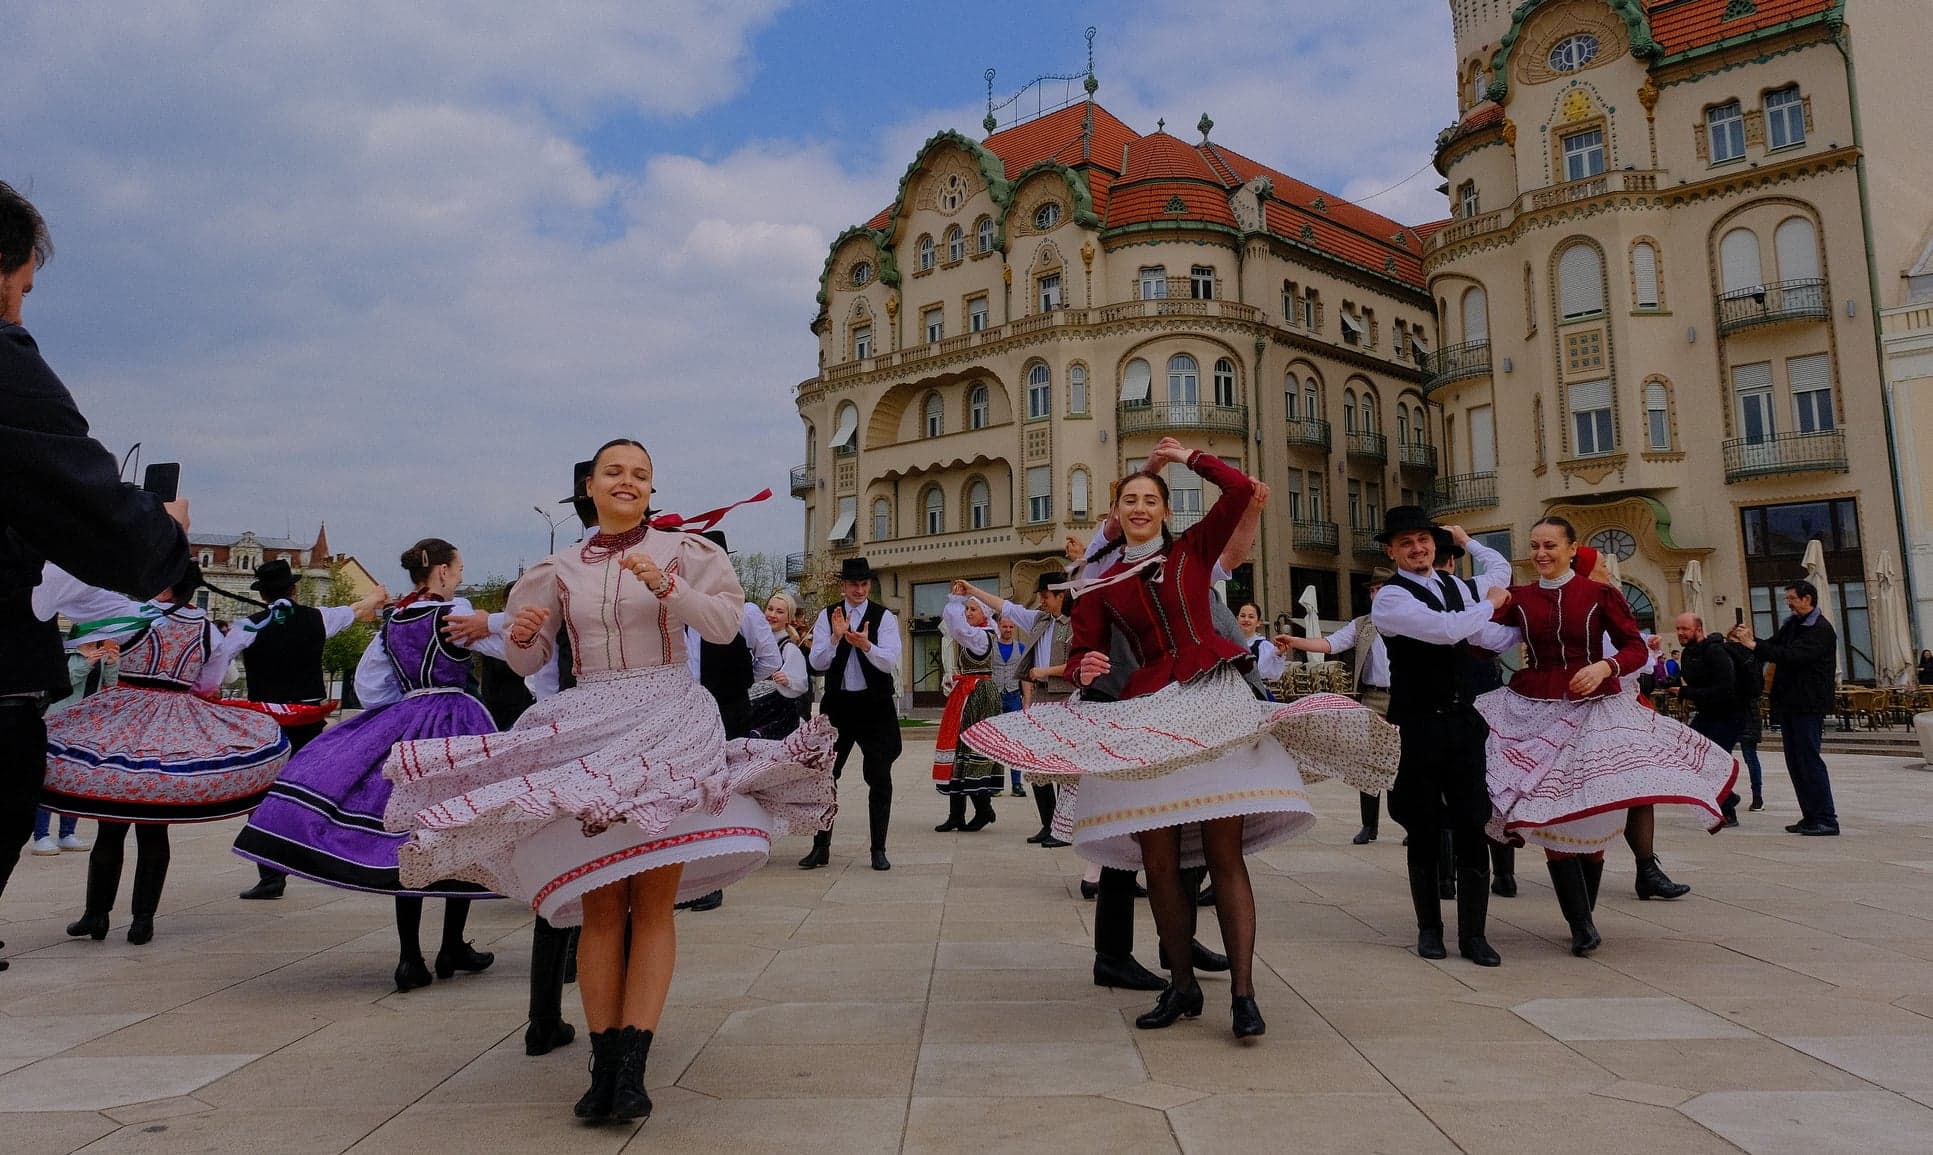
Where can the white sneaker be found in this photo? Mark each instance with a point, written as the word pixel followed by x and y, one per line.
pixel 46 845
pixel 75 842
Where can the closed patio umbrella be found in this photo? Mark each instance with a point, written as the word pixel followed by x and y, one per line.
pixel 1892 643
pixel 1694 583
pixel 1815 572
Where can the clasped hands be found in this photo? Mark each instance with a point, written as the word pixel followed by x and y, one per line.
pixel 842 631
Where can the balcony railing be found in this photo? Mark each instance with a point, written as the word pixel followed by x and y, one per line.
pixel 1823 452
pixel 1364 542
pixel 1442 366
pixel 1538 200
pixel 1802 300
pixel 1315 535
pixel 1463 491
pixel 794 566
pixel 802 480
pixel 1181 519
pixel 1162 418
pixel 1417 456
pixel 1310 431
pixel 1368 446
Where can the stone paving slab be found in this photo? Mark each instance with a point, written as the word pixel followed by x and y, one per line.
pixel 946 1005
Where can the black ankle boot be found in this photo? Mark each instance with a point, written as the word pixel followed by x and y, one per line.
pixel 150 875
pixel 1247 1017
pixel 92 925
pixel 955 814
pixel 1429 916
pixel 982 814
pixel 462 957
pixel 1503 871
pixel 1472 907
pixel 821 852
pixel 1653 882
pixel 548 948
pixel 411 973
pixel 1574 899
pixel 1173 1004
pixel 628 1099
pixel 596 1103
pixel 1126 974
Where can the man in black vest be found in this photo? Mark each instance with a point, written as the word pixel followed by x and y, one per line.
pixel 855 644
pixel 284 666
pixel 62 501
pixel 1433 627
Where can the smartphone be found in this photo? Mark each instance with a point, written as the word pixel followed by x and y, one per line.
pixel 162 479
pixel 1738 615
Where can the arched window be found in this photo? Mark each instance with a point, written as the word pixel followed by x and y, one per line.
pixel 1738 260
pixel 1225 382
pixel 978 413
pixel 1077 389
pixel 1311 398
pixel 845 429
pixel 1644 276
pixel 1292 398
pixel 1419 426
pixel 1078 487
pixel 955 244
pixel 1476 315
pixel 983 233
pixel 1530 299
pixel 1580 282
pixel 1137 379
pixel 811 447
pixel 1047 216
pixel 935 415
pixel 1402 424
pixel 979 504
pixel 925 252
pixel 1369 422
pixel 1797 247
pixel 1641 607
pixel 882 519
pixel 934 504
pixel 1040 392
pixel 1184 380
pixel 1657 416
pixel 1348 410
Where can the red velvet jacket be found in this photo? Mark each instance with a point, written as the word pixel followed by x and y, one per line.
pixel 1563 631
pixel 1163 611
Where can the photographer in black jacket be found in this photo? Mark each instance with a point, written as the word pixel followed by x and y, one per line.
pixel 61 500
pixel 1708 679
pixel 1804 679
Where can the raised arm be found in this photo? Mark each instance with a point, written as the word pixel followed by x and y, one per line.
pixel 1216 529
pixel 974 640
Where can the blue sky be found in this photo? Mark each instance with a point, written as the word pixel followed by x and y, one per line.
pixel 396 267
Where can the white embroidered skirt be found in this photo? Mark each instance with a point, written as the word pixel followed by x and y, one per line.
pixel 624 773
pixel 1563 772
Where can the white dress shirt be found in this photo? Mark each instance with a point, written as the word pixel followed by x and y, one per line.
pixel 883 653
pixel 758 636
pixel 375 680
pixel 1375 664
pixel 1400 614
pixel 1269 661
pixel 975 640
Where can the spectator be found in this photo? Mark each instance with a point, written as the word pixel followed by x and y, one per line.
pixel 1802 654
pixel 1926 667
pixel 1709 681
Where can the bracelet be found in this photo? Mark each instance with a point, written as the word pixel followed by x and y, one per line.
pixel 664 591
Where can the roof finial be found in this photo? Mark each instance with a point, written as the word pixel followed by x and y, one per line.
pixel 991 122
pixel 1090 84
pixel 1161 125
pixel 1204 126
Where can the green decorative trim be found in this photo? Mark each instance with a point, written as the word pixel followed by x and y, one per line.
pixel 1308 231
pixel 1077 190
pixel 1389 265
pixel 886 264
pixel 1637 28
pixel 1320 205
pixel 1831 18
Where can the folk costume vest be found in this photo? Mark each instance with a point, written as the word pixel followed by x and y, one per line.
pixel 284 663
pixel 879 684
pixel 1418 686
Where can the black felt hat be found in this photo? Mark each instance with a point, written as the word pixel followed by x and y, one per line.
pixel 273 576
pixel 580 493
pixel 1402 519
pixel 717 538
pixel 855 569
pixel 1446 546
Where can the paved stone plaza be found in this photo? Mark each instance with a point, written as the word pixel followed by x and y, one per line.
pixel 1786 1006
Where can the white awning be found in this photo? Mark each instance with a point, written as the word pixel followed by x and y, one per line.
pixel 848 427
pixel 1136 382
pixel 1352 323
pixel 842 529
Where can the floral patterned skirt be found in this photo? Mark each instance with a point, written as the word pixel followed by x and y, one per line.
pixel 139 754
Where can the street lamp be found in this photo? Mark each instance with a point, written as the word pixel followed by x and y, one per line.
pixel 552 523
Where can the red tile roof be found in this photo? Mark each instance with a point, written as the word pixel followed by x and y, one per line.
pixel 1682 25
pixel 1057 136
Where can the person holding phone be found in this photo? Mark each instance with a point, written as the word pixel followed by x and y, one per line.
pixel 62 501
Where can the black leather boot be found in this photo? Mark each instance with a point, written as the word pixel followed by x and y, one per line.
pixel 270 883
pixel 982 814
pixel 1503 870
pixel 547 1030
pixel 955 814
pixel 628 1100
pixel 1653 882
pixel 821 852
pixel 103 879
pixel 605 1053
pixel 1429 916
pixel 1445 866
pixel 1574 899
pixel 1126 974
pixel 1472 907
pixel 1593 874
pixel 150 875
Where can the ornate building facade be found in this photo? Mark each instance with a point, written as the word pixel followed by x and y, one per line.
pixel 1658 296
pixel 1037 308
pixel 228 561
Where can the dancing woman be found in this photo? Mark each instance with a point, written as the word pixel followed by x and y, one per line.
pixel 323 819
pixel 609 802
pixel 1568 753
pixel 775 700
pixel 1189 765
pixel 959 772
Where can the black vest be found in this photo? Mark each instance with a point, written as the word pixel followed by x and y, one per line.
pixel 1427 679
pixel 725 671
pixel 284 663
pixel 879 684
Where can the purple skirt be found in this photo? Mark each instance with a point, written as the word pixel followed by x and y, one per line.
pixel 323 818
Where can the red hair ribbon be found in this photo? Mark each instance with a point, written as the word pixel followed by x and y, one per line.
pixel 699 522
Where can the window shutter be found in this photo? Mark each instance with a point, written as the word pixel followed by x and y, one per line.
pixel 1644 270
pixel 1798 250
pixel 848 425
pixel 1738 259
pixel 1040 481
pixel 1654 397
pixel 1809 373
pixel 1476 316
pixel 1136 382
pixel 1749 378
pixel 1077 493
pixel 1590 395
pixel 1580 282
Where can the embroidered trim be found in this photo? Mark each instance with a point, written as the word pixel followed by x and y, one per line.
pixel 604 546
pixel 1181 804
pixel 643 848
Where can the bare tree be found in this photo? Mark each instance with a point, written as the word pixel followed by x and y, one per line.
pixel 762 575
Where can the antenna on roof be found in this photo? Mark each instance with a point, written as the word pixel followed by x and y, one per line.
pixel 1087 80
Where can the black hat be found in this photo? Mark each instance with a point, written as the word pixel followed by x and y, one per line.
pixel 580 493
pixel 272 576
pixel 855 569
pixel 1402 519
pixel 1446 547
pixel 717 538
pixel 1044 584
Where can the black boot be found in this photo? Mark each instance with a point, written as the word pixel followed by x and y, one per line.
pixel 150 875
pixel 547 1030
pixel 1126 973
pixel 955 814
pixel 821 852
pixel 103 879
pixel 628 1100
pixel 1654 883
pixel 1574 899
pixel 270 883
pixel 1472 907
pixel 1371 811
pixel 605 1053
pixel 1445 866
pixel 982 814
pixel 1503 870
pixel 1429 915
pixel 1593 874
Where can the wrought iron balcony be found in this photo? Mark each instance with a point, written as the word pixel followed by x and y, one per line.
pixel 794 566
pixel 1787 453
pixel 802 480
pixel 1363 540
pixel 1418 456
pixel 1182 416
pixel 1309 431
pixel 1315 535
pixel 1454 362
pixel 1368 446
pixel 1802 300
pixel 1463 491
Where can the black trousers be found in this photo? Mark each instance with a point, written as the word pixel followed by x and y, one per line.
pixel 1114 909
pixel 874 729
pixel 23 771
pixel 1440 789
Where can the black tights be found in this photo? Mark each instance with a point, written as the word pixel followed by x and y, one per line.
pixel 409 923
pixel 105 860
pixel 1173 904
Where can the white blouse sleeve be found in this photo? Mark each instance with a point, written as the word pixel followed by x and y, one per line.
pixel 792 665
pixel 1269 661
pixel 974 640
pixel 376 683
